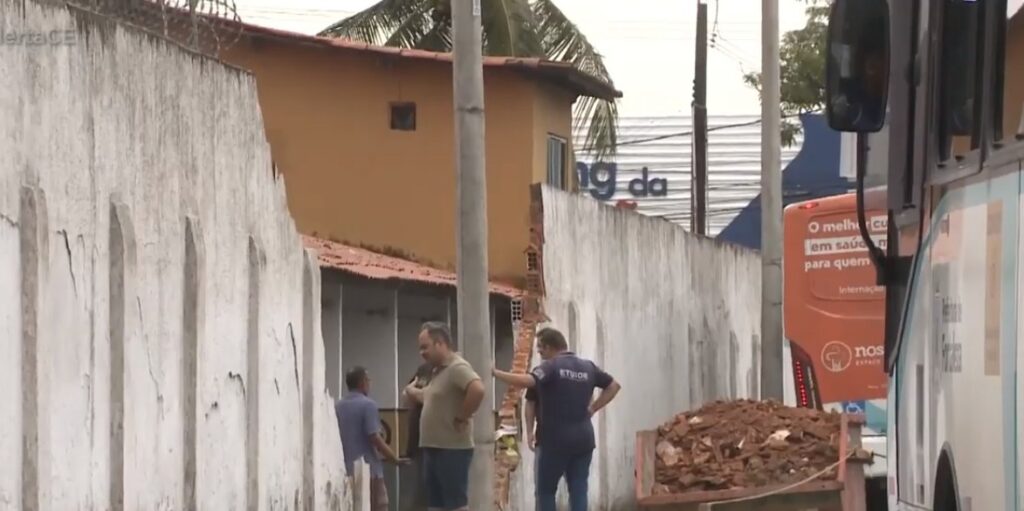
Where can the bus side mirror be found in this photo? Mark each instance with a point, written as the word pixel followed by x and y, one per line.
pixel 857 65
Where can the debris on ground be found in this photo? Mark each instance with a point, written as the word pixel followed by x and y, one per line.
pixel 744 444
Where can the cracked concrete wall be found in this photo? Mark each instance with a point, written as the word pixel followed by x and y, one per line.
pixel 133 175
pixel 672 316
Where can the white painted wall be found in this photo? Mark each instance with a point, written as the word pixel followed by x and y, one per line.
pixel 122 118
pixel 672 316
pixel 369 333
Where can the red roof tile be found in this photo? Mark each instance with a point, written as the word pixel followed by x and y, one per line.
pixel 358 261
pixel 563 73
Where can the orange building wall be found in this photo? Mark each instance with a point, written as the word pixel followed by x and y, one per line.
pixel 551 118
pixel 350 178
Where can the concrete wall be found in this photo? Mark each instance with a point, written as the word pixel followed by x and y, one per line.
pixel 672 316
pixel 158 316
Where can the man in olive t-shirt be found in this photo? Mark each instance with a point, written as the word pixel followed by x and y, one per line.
pixel 446 432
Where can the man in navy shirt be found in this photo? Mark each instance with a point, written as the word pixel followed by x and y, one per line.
pixel 530 410
pixel 565 385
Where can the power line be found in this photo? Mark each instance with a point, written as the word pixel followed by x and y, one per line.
pixel 713 128
pixel 687 133
pixel 720 39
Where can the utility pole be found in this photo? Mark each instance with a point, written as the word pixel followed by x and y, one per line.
pixel 771 205
pixel 471 237
pixel 699 158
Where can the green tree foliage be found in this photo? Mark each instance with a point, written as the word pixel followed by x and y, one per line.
pixel 802 56
pixel 517 28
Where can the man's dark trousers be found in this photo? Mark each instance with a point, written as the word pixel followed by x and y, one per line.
pixel 552 464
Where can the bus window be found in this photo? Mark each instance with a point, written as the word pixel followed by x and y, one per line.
pixel 1009 78
pixel 961 56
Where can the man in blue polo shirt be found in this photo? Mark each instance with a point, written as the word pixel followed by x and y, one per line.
pixel 359 424
pixel 565 384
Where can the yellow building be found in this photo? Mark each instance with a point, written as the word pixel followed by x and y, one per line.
pixel 364 137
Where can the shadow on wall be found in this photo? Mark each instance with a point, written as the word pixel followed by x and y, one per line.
pixel 812 174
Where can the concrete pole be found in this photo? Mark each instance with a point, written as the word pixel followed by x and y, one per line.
pixel 471 238
pixel 771 205
pixel 699 185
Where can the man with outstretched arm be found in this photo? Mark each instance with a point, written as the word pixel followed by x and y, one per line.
pixel 565 386
pixel 530 408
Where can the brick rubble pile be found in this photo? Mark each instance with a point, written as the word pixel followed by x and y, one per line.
pixel 744 444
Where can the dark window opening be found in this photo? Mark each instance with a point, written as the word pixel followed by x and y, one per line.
pixel 1000 79
pixel 557 156
pixel 962 55
pixel 403 116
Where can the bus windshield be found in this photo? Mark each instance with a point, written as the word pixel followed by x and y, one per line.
pixel 834 310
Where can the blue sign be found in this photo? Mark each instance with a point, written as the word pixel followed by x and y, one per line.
pixel 601 179
pixel 854 407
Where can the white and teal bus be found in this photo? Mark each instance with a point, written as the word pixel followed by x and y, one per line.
pixel 947 77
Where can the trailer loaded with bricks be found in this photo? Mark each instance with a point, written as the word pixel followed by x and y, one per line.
pixel 733 455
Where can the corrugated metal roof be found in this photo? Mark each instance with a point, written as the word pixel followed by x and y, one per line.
pixel 364 263
pixel 663 145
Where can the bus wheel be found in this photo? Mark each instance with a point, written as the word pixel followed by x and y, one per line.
pixel 945 486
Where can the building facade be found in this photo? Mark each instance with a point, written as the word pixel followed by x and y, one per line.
pixel 364 136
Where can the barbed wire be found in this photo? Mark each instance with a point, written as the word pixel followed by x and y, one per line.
pixel 204 26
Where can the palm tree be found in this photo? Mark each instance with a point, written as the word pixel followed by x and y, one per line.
pixel 517 28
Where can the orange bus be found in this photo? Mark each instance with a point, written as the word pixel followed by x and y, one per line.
pixel 834 315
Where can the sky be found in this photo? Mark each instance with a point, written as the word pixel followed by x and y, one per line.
pixel 648 48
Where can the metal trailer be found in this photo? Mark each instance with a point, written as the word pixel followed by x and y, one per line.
pixel 845 493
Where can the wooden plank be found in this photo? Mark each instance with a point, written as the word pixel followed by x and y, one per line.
pixel 854 493
pixel 781 502
pixel 719 495
pixel 842 447
pixel 360 481
pixel 645 453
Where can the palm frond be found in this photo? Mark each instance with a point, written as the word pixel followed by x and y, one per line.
pixel 439 38
pixel 510 29
pixel 411 30
pixel 600 119
pixel 377 23
pixel 563 41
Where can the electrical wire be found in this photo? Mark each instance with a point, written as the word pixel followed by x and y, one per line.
pixel 713 128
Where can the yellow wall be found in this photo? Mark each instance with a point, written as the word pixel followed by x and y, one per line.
pixel 351 178
pixel 550 117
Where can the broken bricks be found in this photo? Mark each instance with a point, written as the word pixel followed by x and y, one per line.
pixel 744 444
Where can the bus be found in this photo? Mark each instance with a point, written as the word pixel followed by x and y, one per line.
pixel 834 314
pixel 946 79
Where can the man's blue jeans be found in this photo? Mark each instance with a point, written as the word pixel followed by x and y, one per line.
pixel 552 464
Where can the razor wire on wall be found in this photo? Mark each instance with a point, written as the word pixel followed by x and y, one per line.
pixel 206 26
